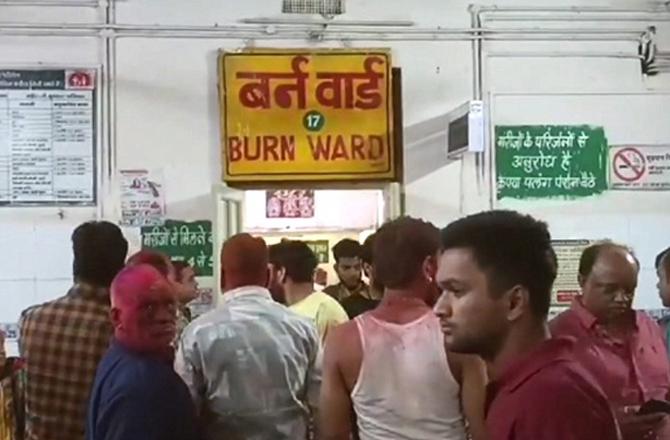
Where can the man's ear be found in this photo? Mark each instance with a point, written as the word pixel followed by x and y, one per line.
pixel 115 316
pixel 268 276
pixel 518 301
pixel 581 279
pixel 367 269
pixel 429 268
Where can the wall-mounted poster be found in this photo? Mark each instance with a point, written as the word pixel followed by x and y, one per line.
pixel 47 137
pixel 289 203
pixel 566 286
pixel 142 198
pixel 539 161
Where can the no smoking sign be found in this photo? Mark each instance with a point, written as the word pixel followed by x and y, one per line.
pixel 629 165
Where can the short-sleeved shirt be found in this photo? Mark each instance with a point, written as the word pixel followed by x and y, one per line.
pixel 323 309
pixel 630 370
pixel 356 305
pixel 139 397
pixel 340 291
pixel 548 396
pixel 638 368
pixel 62 343
pixel 664 323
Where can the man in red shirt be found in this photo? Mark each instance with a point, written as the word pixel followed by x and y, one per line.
pixel 622 348
pixel 496 271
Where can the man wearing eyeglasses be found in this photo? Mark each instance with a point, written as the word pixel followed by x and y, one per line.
pixel 622 348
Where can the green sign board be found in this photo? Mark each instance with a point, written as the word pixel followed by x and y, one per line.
pixel 183 241
pixel 534 161
pixel 321 249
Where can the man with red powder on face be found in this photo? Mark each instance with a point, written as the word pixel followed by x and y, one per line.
pixel 136 394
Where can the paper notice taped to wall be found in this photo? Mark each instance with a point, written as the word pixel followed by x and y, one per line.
pixel 142 198
pixel 566 286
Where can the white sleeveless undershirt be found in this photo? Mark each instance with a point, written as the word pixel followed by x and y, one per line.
pixel 405 389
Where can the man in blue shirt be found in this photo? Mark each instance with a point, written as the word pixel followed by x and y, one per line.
pixel 136 394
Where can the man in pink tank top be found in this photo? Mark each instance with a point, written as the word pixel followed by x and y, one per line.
pixel 386 374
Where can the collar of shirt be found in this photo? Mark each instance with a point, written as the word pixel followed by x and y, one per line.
pixel 89 291
pixel 361 289
pixel 247 291
pixel 590 322
pixel 515 375
pixel 166 357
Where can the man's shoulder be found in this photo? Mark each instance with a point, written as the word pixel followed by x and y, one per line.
pixel 271 313
pixel 135 375
pixel 296 320
pixel 565 324
pixel 329 302
pixel 38 310
pixel 332 290
pixel 565 380
pixel 342 335
pixel 67 303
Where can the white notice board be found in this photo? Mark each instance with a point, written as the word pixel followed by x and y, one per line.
pixel 47 137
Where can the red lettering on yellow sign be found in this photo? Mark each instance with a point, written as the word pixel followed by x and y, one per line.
pixel 263 148
pixel 332 148
pixel 338 90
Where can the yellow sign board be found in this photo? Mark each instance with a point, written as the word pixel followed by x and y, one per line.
pixel 305 115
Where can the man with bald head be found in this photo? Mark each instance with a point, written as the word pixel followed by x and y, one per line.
pixel 251 364
pixel 136 394
pixel 624 349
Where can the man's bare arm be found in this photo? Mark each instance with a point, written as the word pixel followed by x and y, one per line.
pixel 473 379
pixel 335 408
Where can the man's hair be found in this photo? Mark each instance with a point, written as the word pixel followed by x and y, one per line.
pixel 179 266
pixel 100 251
pixel 400 248
pixel 346 248
pixel 366 249
pixel 298 260
pixel 275 252
pixel 244 261
pixel 155 259
pixel 512 249
pixel 590 255
pixel 662 257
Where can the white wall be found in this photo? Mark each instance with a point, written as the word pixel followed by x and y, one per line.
pixel 168 118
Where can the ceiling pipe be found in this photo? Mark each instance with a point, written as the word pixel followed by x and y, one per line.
pixel 568 9
pixel 658 17
pixel 278 32
pixel 38 3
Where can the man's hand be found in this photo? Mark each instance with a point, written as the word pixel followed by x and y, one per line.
pixel 644 427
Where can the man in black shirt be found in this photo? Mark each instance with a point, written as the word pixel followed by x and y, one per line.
pixel 357 303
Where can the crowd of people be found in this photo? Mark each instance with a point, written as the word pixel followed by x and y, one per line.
pixel 448 339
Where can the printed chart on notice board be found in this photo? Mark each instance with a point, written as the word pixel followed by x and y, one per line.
pixel 47 136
